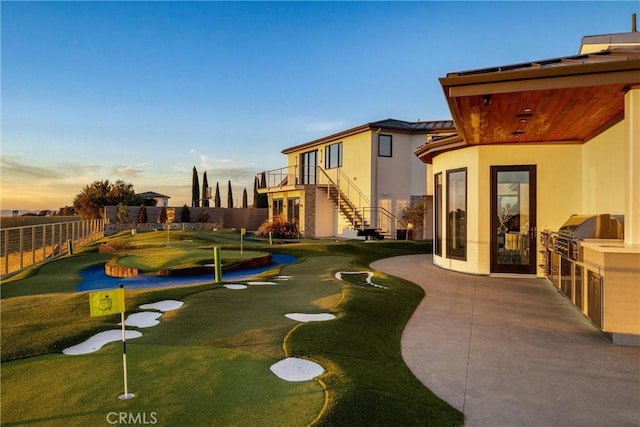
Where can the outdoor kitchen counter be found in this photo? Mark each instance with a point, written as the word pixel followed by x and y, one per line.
pixel 617 266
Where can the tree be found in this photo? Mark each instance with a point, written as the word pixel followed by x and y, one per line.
pixel 90 202
pixel 217 202
pixel 229 196
pixel 163 216
pixel 205 193
pixel 244 199
pixel 122 215
pixel 195 189
pixel 142 215
pixel 263 199
pixel 185 214
pixel 256 182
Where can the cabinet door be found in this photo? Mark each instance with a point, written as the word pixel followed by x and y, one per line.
pixel 594 297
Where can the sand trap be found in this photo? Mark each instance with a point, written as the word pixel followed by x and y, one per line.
pixel 235 286
pixel 282 277
pixel 261 283
pixel 368 279
pixel 145 319
pixel 166 305
pixel 96 342
pixel 303 317
pixel 295 369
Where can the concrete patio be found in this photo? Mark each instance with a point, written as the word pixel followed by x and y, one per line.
pixel 514 351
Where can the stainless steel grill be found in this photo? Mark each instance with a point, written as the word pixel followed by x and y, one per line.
pixel 580 227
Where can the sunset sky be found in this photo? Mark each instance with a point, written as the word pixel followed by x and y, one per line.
pixel 144 91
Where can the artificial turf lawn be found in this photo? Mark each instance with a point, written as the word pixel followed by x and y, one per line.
pixel 207 363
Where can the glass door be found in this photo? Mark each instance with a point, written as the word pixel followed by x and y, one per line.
pixel 308 163
pixel 513 219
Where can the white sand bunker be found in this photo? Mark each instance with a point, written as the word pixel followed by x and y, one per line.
pixel 368 279
pixel 235 286
pixel 97 341
pixel 261 283
pixel 303 317
pixel 295 369
pixel 166 305
pixel 282 277
pixel 145 319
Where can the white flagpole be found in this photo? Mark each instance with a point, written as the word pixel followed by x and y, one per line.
pixel 126 394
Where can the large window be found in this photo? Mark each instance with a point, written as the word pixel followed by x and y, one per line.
pixel 457 214
pixel 293 209
pixel 278 207
pixel 437 219
pixel 333 156
pixel 385 146
pixel 308 163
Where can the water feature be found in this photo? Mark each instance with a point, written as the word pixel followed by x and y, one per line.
pixel 94 278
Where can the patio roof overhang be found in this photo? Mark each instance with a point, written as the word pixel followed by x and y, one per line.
pixel 563 100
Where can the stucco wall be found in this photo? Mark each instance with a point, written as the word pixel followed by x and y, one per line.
pixel 559 191
pixel 602 173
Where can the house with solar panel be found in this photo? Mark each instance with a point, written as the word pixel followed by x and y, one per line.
pixel 543 177
pixel 354 183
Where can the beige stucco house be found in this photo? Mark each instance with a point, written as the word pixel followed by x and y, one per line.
pixel 537 143
pixel 353 180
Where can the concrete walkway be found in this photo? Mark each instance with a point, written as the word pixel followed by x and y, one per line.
pixel 514 352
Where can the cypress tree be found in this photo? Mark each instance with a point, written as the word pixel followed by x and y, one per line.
pixel 255 192
pixel 195 189
pixel 245 203
pixel 205 188
pixel 263 199
pixel 229 196
pixel 217 201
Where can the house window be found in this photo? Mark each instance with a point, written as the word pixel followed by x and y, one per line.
pixel 333 156
pixel 457 214
pixel 308 163
pixel 437 218
pixel 293 209
pixel 278 207
pixel 384 146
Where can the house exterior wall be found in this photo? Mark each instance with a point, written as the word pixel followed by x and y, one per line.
pixel 559 192
pixel 603 176
pixel 366 178
pixel 401 176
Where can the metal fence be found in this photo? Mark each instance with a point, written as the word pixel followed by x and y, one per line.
pixel 21 247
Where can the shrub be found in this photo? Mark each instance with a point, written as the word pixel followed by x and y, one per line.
pixel 122 215
pixel 280 227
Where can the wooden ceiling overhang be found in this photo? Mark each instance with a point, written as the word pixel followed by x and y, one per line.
pixel 566 100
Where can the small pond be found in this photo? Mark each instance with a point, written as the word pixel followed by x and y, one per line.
pixel 94 278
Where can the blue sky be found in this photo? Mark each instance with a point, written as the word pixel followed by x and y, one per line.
pixel 144 91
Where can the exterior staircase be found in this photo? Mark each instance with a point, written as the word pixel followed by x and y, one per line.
pixel 359 215
pixel 346 207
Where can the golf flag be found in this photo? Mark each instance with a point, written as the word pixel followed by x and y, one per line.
pixel 104 303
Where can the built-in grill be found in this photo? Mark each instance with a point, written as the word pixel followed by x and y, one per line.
pixel 580 227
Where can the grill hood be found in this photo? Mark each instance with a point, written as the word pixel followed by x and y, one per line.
pixel 603 226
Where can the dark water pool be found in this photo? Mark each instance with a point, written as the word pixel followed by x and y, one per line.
pixel 94 278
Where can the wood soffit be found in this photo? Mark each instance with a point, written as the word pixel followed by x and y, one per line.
pixel 569 104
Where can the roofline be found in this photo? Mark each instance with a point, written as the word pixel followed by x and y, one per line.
pixel 368 127
pixel 429 150
pixel 621 70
